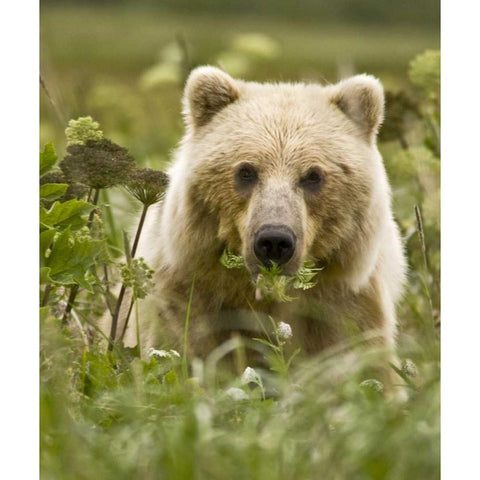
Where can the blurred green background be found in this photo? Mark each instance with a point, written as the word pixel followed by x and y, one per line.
pixel 124 62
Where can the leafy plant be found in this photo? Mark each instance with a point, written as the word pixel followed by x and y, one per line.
pixel 271 285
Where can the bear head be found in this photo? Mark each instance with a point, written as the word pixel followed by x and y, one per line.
pixel 280 173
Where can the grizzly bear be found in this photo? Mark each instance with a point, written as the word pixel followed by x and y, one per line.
pixel 277 173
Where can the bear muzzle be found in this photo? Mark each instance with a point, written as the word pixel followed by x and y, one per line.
pixel 274 244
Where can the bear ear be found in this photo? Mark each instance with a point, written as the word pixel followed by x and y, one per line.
pixel 361 99
pixel 208 90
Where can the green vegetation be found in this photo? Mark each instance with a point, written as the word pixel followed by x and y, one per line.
pixel 106 413
pixel 271 284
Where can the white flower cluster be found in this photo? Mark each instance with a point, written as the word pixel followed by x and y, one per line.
pixel 409 368
pixel 284 331
pixel 249 376
pixel 169 354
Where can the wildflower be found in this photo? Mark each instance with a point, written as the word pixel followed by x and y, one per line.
pixel 249 376
pixel 138 275
pixel 147 185
pixel 158 353
pixel 236 394
pixel 168 354
pixel 55 176
pixel 98 164
pixel 81 130
pixel 409 368
pixel 75 190
pixel 373 385
pixel 284 331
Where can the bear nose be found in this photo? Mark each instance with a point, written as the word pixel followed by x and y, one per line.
pixel 274 243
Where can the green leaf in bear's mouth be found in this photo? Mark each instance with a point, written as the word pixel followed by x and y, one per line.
pixel 271 285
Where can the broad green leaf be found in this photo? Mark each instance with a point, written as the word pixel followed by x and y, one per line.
pixel 45 275
pixel 66 214
pixel 71 257
pixel 46 238
pixel 52 191
pixel 48 158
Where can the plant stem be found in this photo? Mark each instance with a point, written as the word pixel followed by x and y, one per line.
pixel 113 330
pixel 137 327
pixel 62 120
pixel 185 333
pixel 132 301
pixel 46 294
pixel 139 230
pixel 114 235
pixel 95 201
pixel 421 237
pixel 70 301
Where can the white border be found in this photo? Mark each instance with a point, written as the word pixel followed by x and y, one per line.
pixel 460 240
pixel 19 32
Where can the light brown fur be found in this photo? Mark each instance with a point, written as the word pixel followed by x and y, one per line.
pixel 346 227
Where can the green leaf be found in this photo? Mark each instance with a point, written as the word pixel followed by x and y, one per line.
pixel 230 260
pixel 48 158
pixel 65 214
pixel 52 191
pixel 71 257
pixel 267 343
pixel 45 275
pixel 46 239
pixel 170 378
pixel 294 354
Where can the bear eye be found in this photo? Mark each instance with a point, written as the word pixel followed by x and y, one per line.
pixel 312 180
pixel 245 175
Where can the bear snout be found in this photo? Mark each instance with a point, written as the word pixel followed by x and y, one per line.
pixel 274 243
